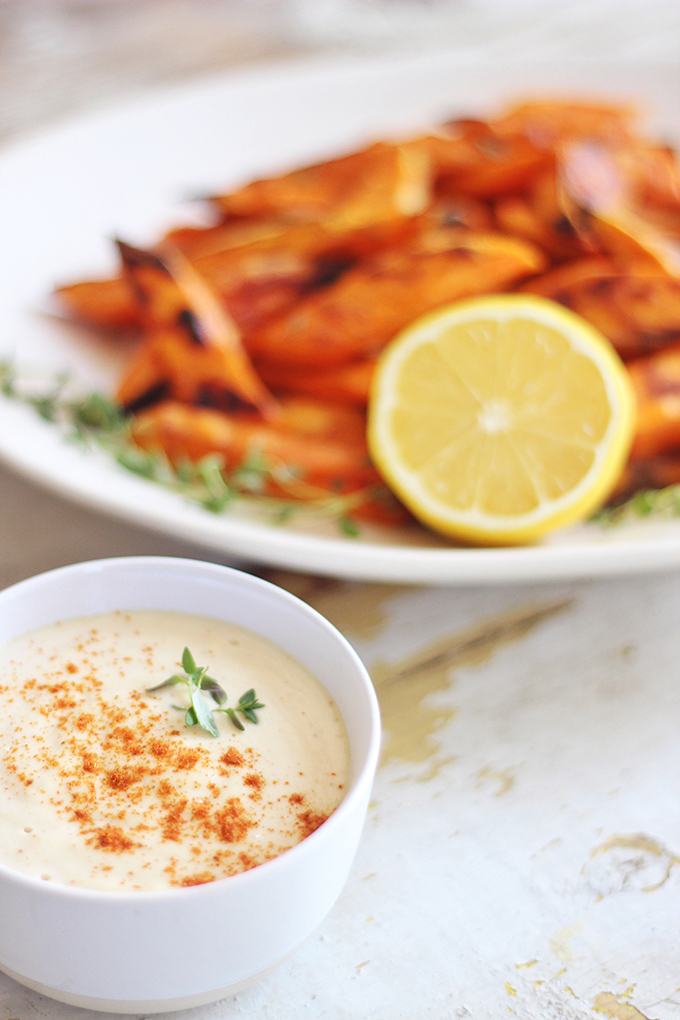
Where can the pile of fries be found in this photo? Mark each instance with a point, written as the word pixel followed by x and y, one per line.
pixel 260 333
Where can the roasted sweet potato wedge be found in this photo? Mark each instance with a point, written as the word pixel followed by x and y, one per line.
pixel 656 380
pixel 376 184
pixel 169 364
pixel 349 384
pixel 517 217
pixel 649 473
pixel 192 432
pixel 365 309
pixel 470 158
pixel 109 304
pixel 267 277
pixel 194 344
pixel 600 189
pixel 549 122
pixel 637 312
pixel 321 419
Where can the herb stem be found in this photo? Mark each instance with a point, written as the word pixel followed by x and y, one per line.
pixel 95 421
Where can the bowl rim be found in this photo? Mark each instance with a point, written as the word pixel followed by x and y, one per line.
pixel 354 794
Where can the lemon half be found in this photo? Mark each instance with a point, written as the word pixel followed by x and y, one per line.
pixel 498 419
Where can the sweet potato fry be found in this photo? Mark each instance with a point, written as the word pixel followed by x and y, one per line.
pixel 349 384
pixel 463 211
pixel 570 274
pixel 200 242
pixel 305 467
pixel 258 277
pixel 320 419
pixel 654 173
pixel 635 242
pixel 267 277
pixel 549 205
pixel 599 187
pixel 470 158
pixel 159 299
pixel 197 348
pixel 379 183
pixel 146 380
pixel 357 316
pixel 585 286
pixel 109 304
pixel 650 473
pixel 656 380
pixel 192 432
pixel 604 175
pixel 650 303
pixel 637 312
pixel 549 122
pixel 516 217
pixel 168 364
pixel 218 330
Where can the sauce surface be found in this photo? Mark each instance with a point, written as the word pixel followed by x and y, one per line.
pixel 104 786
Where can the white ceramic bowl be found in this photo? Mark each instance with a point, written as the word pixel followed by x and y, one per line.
pixel 154 951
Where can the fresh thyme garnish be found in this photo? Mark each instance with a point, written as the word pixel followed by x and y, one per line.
pixel 662 503
pixel 348 527
pixel 95 421
pixel 247 705
pixel 195 680
pixel 199 712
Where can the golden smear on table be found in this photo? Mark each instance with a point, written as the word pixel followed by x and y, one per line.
pixel 410 720
pixel 357 609
pixel 611 1006
pixel 503 777
pixel 409 723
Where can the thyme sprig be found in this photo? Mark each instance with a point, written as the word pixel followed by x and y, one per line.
pixel 94 421
pixel 247 706
pixel 199 712
pixel 661 503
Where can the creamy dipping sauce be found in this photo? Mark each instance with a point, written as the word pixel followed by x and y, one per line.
pixel 104 786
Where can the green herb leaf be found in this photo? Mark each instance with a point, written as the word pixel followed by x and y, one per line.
pixel 348 527
pixel 247 706
pixel 139 462
pixel 188 664
pixel 96 412
pixel 234 718
pixel 170 682
pixel 660 503
pixel 46 408
pixel 214 689
pixel 285 513
pixel 7 379
pixel 202 711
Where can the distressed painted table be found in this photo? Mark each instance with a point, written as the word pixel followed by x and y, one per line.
pixel 522 851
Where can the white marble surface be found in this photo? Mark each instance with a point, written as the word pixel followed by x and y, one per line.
pixel 522 855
